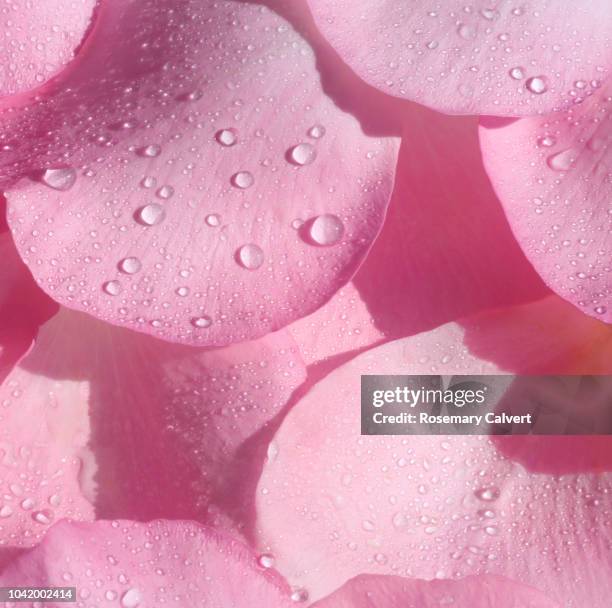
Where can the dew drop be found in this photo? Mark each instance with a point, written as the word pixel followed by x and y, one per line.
pixel 316 131
pixel 517 73
pixel 59 179
pixel 182 291
pixel 27 504
pixel 562 161
pixel 5 511
pixel 489 13
pixel 131 598
pixel 112 288
pixel 150 151
pixel 547 141
pixel 226 137
pixel 266 560
pixel 537 85
pixel 130 265
pixel 302 154
pixel 250 256
pixel 601 310
pixel 299 595
pixel 213 220
pixel 243 180
pixel 44 517
pixel 201 322
pixel 165 192
pixel 326 229
pixel 151 215
pixel 487 494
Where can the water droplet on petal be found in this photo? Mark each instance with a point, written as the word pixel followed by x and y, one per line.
pixel 266 560
pixel 44 517
pixel 562 161
pixel 601 310
pixel 59 179
pixel 302 154
pixel 150 151
pixel 517 73
pixel 243 179
pixel 165 192
pixel 151 215
pixel 250 256
pixel 130 265
pixel 112 288
pixel 487 494
pixel 327 229
pixel 5 511
pixel 299 595
pixel 131 598
pixel 547 141
pixel 316 131
pixel 213 220
pixel 226 137
pixel 182 291
pixel 201 322
pixel 537 85
pixel 466 32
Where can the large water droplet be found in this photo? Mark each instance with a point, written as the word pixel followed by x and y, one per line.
pixel 562 161
pixel 130 265
pixel 59 179
pixel 537 85
pixel 226 137
pixel 131 598
pixel 112 288
pixel 327 229
pixel 243 179
pixel 151 215
pixel 250 256
pixel 302 154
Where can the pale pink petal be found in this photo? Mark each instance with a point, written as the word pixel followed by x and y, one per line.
pixel 161 563
pixel 333 503
pixel 23 306
pixel 138 427
pixel 214 193
pixel 366 591
pixel 39 39
pixel 553 176
pixel 508 59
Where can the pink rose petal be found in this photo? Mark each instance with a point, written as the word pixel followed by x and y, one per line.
pixel 138 427
pixel 192 179
pixel 334 504
pixel 39 39
pixel 472 592
pixel 552 175
pixel 161 563
pixel 502 59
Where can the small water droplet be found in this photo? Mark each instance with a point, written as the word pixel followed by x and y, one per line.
pixel 182 291
pixel 489 13
pixel 44 517
pixel 601 310
pixel 131 598
pixel 243 180
pixel 487 494
pixel 326 229
pixel 250 256
pixel 165 192
pixel 562 161
pixel 466 32
pixel 547 141
pixel 130 265
pixel 316 131
pixel 226 137
pixel 537 85
pixel 27 504
pixel 61 179
pixel 213 220
pixel 266 560
pixel 299 595
pixel 201 322
pixel 112 288
pixel 5 511
pixel 150 151
pixel 151 215
pixel 517 73
pixel 302 154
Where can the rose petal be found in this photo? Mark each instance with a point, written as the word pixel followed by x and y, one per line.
pixel 228 195
pixel 23 306
pixel 128 564
pixel 553 178
pixel 502 59
pixel 139 427
pixel 334 504
pixel 471 592
pixel 39 39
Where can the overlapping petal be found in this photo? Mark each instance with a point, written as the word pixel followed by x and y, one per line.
pixel 191 179
pixel 39 39
pixel 140 428
pixel 471 592
pixel 553 176
pixel 496 58
pixel 128 564
pixel 333 504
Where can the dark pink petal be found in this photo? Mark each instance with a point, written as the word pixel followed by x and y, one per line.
pixel 333 504
pixel 23 306
pixel 138 427
pixel 508 59
pixel 38 39
pixel 553 176
pixel 191 178
pixel 472 592
pixel 161 563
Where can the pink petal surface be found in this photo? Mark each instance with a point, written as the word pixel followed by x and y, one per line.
pixel 214 192
pixel 552 175
pixel 500 58
pixel 38 39
pixel 128 564
pixel 333 504
pixel 472 592
pixel 23 306
pixel 138 427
